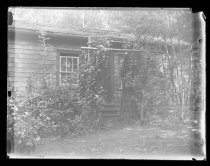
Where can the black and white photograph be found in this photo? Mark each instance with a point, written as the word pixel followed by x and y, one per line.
pixel 106 83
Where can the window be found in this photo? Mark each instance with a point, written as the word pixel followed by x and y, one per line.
pixel 69 65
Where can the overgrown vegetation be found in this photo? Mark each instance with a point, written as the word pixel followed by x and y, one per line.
pixel 46 109
pixel 43 111
pixel 161 88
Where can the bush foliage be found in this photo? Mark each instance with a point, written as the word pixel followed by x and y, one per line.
pixel 44 109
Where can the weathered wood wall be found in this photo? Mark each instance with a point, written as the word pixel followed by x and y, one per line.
pixel 25 55
pixel 25 58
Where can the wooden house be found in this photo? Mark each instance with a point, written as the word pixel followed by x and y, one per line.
pixel 27 53
pixel 25 50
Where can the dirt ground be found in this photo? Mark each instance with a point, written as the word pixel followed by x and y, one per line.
pixel 132 141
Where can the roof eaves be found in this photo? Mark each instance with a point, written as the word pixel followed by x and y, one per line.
pixel 20 24
pixel 49 32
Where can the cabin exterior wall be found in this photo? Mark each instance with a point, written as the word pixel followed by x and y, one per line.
pixel 25 55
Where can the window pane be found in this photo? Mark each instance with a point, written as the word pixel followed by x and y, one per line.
pixel 75 61
pixel 63 60
pixel 74 68
pixel 69 78
pixel 63 78
pixel 74 78
pixel 69 69
pixel 63 68
pixel 69 64
pixel 63 64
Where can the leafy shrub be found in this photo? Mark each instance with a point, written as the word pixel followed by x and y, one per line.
pixel 21 126
pixel 44 109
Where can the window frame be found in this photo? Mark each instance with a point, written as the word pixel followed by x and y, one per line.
pixel 67 54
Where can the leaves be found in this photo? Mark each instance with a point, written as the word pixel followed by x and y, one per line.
pixel 52 110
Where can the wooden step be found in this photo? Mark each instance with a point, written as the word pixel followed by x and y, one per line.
pixel 110 105
pixel 110 112
pixel 106 111
pixel 117 114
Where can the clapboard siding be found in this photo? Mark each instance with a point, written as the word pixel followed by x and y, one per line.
pixel 52 56
pixel 27 65
pixel 28 46
pixel 23 79
pixel 22 69
pixel 28 69
pixel 29 51
pixel 25 74
pixel 27 55
pixel 26 58
pixel 17 74
pixel 19 85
